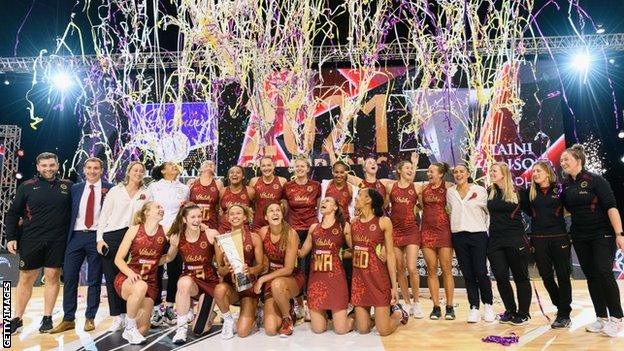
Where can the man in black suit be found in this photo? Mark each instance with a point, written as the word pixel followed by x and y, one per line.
pixel 87 198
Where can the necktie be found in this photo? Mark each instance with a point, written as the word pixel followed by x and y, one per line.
pixel 90 205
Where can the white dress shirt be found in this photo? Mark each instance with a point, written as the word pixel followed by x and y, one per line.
pixel 97 206
pixel 170 194
pixel 119 208
pixel 470 213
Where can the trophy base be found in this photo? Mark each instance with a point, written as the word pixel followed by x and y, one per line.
pixel 242 282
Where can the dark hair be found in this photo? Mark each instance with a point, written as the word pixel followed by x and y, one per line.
pixel 46 156
pixel 470 179
pixel 340 163
pixel 178 226
pixel 443 167
pixel 577 151
pixel 377 202
pixel 94 159
pixel 340 217
pixel 157 172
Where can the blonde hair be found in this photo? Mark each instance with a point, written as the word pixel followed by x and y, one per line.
pixel 129 168
pixel 139 216
pixel 577 151
pixel 552 177
pixel 509 194
pixel 246 210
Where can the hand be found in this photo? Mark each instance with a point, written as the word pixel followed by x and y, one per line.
pixel 133 278
pixel 100 246
pixel 258 286
pixel 203 227
pixel 415 157
pixel 245 270
pixel 227 265
pixel 12 246
pixel 328 145
pixel 382 254
pixel 394 296
pixel 620 242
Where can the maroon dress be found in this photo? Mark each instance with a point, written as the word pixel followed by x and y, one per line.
pixel 207 198
pixel 277 256
pixel 377 185
pixel 197 257
pixel 250 258
pixel 370 285
pixel 405 226
pixel 145 253
pixel 327 282
pixel 436 226
pixel 266 194
pixel 228 199
pixel 342 196
pixel 302 201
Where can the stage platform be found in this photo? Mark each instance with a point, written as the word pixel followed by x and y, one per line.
pixel 421 334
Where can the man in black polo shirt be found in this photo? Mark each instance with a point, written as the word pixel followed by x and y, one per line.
pixel 44 205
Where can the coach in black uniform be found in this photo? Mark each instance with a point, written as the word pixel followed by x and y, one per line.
pixel 596 230
pixel 44 205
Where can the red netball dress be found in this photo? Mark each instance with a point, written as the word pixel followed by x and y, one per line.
pixel 197 257
pixel 228 199
pixel 405 226
pixel 370 285
pixel 342 196
pixel 327 282
pixel 207 198
pixel 249 257
pixel 436 226
pixel 266 194
pixel 302 201
pixel 377 185
pixel 277 256
pixel 145 253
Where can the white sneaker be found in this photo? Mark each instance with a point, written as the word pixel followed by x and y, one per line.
pixel 228 329
pixel 597 326
pixel 180 336
pixel 488 313
pixel 306 314
pixel 474 315
pixel 190 316
pixel 117 325
pixel 416 311
pixel 613 327
pixel 133 336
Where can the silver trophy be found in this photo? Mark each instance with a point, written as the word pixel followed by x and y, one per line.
pixel 232 246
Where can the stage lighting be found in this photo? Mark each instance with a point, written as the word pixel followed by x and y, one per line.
pixel 19 153
pixel 62 81
pixel 19 176
pixel 622 159
pixel 611 61
pixel 581 61
pixel 600 30
pixel 6 82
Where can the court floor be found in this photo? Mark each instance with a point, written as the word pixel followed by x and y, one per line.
pixel 417 334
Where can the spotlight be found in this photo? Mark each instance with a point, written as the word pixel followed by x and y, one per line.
pixel 600 30
pixel 62 81
pixel 622 159
pixel 19 176
pixel 611 61
pixel 581 61
pixel 20 153
pixel 6 82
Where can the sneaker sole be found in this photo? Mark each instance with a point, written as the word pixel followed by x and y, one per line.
pixel 179 342
pixel 519 324
pixel 593 331
pixel 18 330
pixel 434 318
pixel 449 318
pixel 284 336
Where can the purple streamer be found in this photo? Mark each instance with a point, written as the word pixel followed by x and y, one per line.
pixel 502 340
pixel 20 28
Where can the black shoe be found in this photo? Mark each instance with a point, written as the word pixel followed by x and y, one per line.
pixel 450 313
pixel 46 324
pixel 561 322
pixel 404 314
pixel 16 325
pixel 506 317
pixel 436 313
pixel 520 320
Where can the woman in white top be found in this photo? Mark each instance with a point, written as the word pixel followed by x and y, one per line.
pixel 167 190
pixel 120 204
pixel 469 224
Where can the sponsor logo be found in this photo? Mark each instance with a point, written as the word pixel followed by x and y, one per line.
pixel 147 252
pixel 194 258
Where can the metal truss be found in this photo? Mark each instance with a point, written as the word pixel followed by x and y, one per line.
pixel 170 60
pixel 10 139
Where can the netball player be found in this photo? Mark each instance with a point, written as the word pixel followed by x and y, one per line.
pixel 204 192
pixel 268 188
pixel 235 193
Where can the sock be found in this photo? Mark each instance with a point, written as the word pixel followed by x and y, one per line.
pixel 169 304
pixel 228 315
pixel 157 308
pixel 130 323
pixel 181 320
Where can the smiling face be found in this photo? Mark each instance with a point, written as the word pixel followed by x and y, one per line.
pixel 235 175
pixel 236 216
pixel 340 174
pixel 193 219
pixel 569 164
pixel 540 175
pixel 363 199
pixel 92 171
pixel 370 166
pixel 406 171
pixel 460 173
pixel 156 211
pixel 170 171
pixel 48 167
pixel 207 167
pixel 301 168
pixel 136 173
pixel 328 206
pixel 274 214
pixel 267 168
pixel 434 174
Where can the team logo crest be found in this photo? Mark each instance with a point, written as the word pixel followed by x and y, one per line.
pixel 583 184
pixel 212 188
pixel 372 227
pixel 335 231
pixel 22 263
pixel 64 186
pixel 275 186
pixel 203 245
pixel 160 240
pixel 248 247
pixel 309 188
pixel 243 196
pixel 411 192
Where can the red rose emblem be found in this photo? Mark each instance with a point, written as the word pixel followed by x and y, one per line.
pixel 142 197
pixel 104 191
pixel 473 196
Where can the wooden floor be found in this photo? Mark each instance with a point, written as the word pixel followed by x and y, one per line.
pixel 438 335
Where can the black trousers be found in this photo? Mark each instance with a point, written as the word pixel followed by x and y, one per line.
pixel 304 262
pixel 505 254
pixel 471 252
pixel 116 304
pixel 174 270
pixel 596 259
pixel 552 255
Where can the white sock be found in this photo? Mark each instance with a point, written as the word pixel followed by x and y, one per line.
pixel 130 323
pixel 181 320
pixel 123 317
pixel 227 315
pixel 156 308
